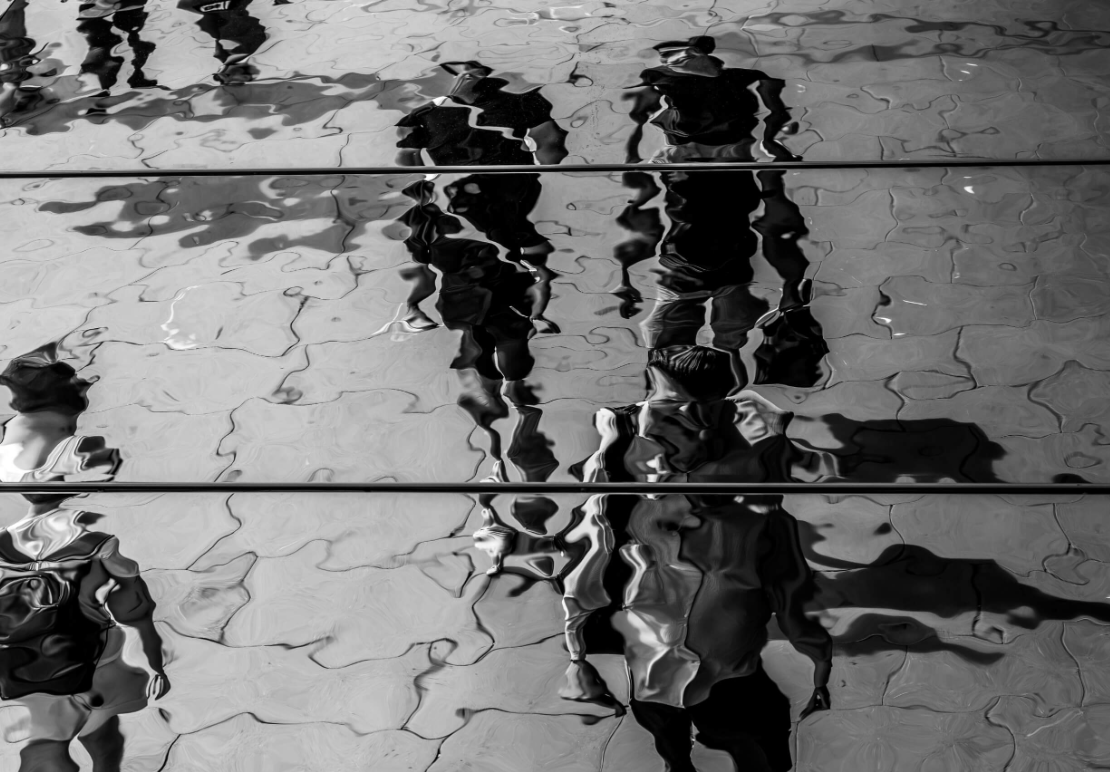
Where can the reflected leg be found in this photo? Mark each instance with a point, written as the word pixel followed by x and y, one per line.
pixel 132 22
pixel 422 287
pixel 105 746
pixel 646 227
pixel 46 756
pixel 102 39
pixel 670 726
pixel 781 227
pixel 733 314
pixel 749 718
pixel 241 28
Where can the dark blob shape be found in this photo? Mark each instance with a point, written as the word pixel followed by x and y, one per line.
pixel 533 512
pixel 873 633
pixel 39 381
pixel 912 579
pixel 748 718
pixel 792 350
pixel 926 450
pixel 452 137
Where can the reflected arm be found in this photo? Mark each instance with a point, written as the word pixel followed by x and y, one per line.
pixel 770 92
pixel 130 604
pixel 789 585
pixel 645 103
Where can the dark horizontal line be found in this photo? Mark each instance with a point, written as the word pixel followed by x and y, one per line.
pixel 638 488
pixel 316 171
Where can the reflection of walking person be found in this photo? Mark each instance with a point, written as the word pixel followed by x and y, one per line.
pixel 720 220
pixel 99 22
pixel 497 304
pixel 236 32
pixel 65 589
pixel 707 111
pixel 698 577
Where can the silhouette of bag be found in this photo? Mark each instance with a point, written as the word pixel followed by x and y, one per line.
pixel 48 645
pixel 792 349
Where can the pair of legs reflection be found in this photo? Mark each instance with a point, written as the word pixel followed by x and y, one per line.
pixel 105 32
pixel 496 305
pixel 747 718
pixel 235 32
pixel 720 221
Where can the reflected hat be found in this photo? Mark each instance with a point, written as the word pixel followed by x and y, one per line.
pixel 704 43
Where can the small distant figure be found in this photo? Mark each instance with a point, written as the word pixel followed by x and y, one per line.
pixel 236 32
pixel 709 112
pixel 65 589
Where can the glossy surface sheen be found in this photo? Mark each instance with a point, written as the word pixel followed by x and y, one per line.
pixel 920 325
pixel 251 329
pixel 326 81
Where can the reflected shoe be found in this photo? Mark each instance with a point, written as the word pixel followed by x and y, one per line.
pixel 418 321
pixel 236 74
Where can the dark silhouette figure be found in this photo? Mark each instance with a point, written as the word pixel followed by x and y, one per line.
pixel 720 220
pixel 707 111
pixel 106 25
pixel 498 304
pixel 489 301
pixel 65 589
pixel 230 22
pixel 481 123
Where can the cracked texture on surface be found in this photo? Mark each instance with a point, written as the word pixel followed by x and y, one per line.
pixel 866 80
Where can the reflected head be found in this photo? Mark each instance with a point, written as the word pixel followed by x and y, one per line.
pixel 38 380
pixel 704 373
pixel 676 53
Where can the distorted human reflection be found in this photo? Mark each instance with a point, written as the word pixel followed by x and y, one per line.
pixel 101 22
pixel 65 589
pixel 496 304
pixel 434 243
pixel 707 253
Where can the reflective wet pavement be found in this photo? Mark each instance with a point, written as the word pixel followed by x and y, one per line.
pixel 652 325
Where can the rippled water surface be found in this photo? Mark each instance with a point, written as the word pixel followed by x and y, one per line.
pixel 908 325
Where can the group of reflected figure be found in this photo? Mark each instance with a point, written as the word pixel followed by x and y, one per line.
pixel 684 587
pixel 106 25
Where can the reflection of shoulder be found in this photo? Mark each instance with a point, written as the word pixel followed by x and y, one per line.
pixel 754 411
